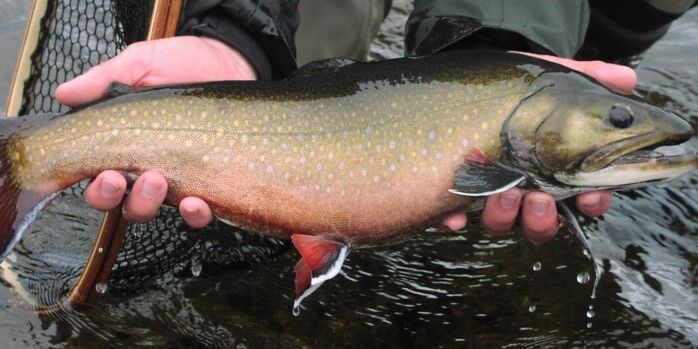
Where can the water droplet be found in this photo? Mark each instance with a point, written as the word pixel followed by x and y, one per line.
pixel 537 266
pixel 196 268
pixel 296 310
pixel 100 250
pixel 583 277
pixel 531 308
pixel 588 324
pixel 590 312
pixel 101 288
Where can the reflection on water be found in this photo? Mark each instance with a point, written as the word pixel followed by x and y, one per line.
pixel 435 290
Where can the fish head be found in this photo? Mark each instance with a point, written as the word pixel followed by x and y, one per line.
pixel 571 131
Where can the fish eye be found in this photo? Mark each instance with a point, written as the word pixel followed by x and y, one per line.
pixel 620 116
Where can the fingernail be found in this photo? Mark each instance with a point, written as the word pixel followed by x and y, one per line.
pixel 108 189
pixel 592 204
pixel 191 211
pixel 508 199
pixel 150 188
pixel 540 207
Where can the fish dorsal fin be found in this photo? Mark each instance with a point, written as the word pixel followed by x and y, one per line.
pixel 480 176
pixel 321 260
pixel 117 89
pixel 321 66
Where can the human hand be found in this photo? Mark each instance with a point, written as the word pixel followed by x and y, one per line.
pixel 539 217
pixel 177 60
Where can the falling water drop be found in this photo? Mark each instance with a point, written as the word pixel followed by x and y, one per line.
pixel 583 277
pixel 101 287
pixel 536 266
pixel 590 312
pixel 531 308
pixel 588 324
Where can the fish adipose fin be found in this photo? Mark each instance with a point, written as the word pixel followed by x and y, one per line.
pixel 480 176
pixel 18 207
pixel 321 260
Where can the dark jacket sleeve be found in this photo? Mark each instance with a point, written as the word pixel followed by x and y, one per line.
pixel 544 26
pixel 262 30
pixel 593 29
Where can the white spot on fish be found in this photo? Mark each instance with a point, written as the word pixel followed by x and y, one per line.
pixel 363 172
pixel 464 143
pixel 414 168
pixel 270 169
pixel 439 156
pixel 302 160
pixel 265 141
pixel 330 155
pixel 287 176
pixel 368 130
pixel 431 136
pixel 319 167
pixel 392 144
pixel 393 167
pixel 376 179
pixel 330 175
pixel 250 166
pixel 284 146
pixel 424 152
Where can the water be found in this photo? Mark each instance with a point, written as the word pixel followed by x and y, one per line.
pixel 437 290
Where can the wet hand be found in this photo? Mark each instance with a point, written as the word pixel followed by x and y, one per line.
pixel 183 59
pixel 539 216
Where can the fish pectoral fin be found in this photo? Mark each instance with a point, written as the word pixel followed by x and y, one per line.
pixel 321 260
pixel 117 89
pixel 480 176
pixel 321 66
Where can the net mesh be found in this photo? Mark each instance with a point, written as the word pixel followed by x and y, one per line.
pixel 76 35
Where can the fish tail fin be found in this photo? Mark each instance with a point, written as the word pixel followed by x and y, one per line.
pixel 18 207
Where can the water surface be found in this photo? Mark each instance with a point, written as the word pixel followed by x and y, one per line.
pixel 437 290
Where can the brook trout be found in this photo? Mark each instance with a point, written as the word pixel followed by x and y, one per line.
pixel 344 154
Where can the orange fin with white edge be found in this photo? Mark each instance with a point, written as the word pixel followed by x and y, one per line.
pixel 321 260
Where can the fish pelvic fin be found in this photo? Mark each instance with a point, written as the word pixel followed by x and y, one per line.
pixel 18 207
pixel 480 176
pixel 321 260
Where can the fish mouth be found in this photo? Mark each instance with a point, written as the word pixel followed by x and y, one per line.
pixel 657 163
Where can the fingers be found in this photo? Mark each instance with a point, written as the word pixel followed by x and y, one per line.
pixel 454 222
pixel 595 203
pixel 500 211
pixel 195 212
pixel 146 197
pixel 159 62
pixel 539 217
pixel 106 191
pixel 616 77
pixel 128 68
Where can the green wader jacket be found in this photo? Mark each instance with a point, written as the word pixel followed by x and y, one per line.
pixel 278 35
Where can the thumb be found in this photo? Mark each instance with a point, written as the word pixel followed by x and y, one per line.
pixel 128 67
